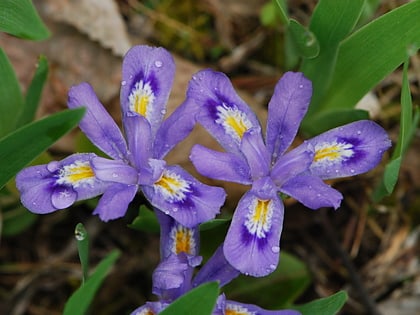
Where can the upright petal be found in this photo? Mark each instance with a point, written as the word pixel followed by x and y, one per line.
pixel 286 109
pixel 57 185
pixel 256 153
pixel 220 165
pixel 252 242
pixel 349 150
pixel 217 268
pixel 236 308
pixel 147 76
pixel 114 203
pixel 312 192
pixel 139 136
pixel 223 113
pixel 97 124
pixel 175 128
pixel 181 196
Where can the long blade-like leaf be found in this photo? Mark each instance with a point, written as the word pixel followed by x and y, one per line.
pixel 33 94
pixel 370 54
pixel 11 99
pixel 80 300
pixel 22 146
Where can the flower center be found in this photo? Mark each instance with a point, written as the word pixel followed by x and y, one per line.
pixel 237 310
pixel 172 186
pixel 183 240
pixel 76 174
pixel 141 99
pixel 332 152
pixel 234 121
pixel 259 217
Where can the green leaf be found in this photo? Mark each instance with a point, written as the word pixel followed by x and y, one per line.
pixel 22 146
pixel 145 221
pixel 11 100
pixel 331 22
pixel 19 18
pixel 408 125
pixel 80 300
pixel 281 4
pixel 305 42
pixel 34 92
pixel 326 306
pixel 280 288
pixel 82 239
pixel 200 300
pixel 370 54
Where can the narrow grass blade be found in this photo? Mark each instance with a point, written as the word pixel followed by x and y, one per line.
pixel 82 239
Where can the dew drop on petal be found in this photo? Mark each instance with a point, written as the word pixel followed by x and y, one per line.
pixel 114 175
pixel 352 171
pixel 123 83
pixel 52 166
pixel 163 111
pixel 275 249
pixel 158 63
pixel 359 132
pixel 301 86
pixel 272 267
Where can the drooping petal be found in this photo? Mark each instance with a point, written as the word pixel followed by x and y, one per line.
pixel 220 165
pixel 97 123
pixel 114 202
pixel 36 185
pixel 114 171
pixel 312 192
pixel 236 308
pixel 292 163
pixel 286 109
pixel 217 268
pixel 349 150
pixel 175 128
pixel 252 241
pixel 147 76
pixel 58 184
pixel 256 153
pixel 222 112
pixel 139 137
pixel 181 196
pixel 176 238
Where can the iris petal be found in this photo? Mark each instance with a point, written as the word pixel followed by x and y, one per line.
pixel 114 171
pixel 252 242
pixel 312 192
pixel 256 153
pixel 147 76
pixel 220 165
pixel 223 113
pixel 97 124
pixel 181 196
pixel 348 150
pixel 286 109
pixel 114 202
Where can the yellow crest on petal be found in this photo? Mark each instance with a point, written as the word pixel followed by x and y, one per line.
pixel 76 174
pixel 141 99
pixel 234 121
pixel 183 240
pixel 259 217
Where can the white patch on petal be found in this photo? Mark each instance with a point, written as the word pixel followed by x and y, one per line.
pixel 234 309
pixel 332 152
pixel 145 311
pixel 76 174
pixel 172 186
pixel 182 240
pixel 234 121
pixel 259 217
pixel 141 99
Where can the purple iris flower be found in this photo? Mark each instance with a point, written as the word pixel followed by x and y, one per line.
pixel 137 161
pixel 174 275
pixel 252 242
